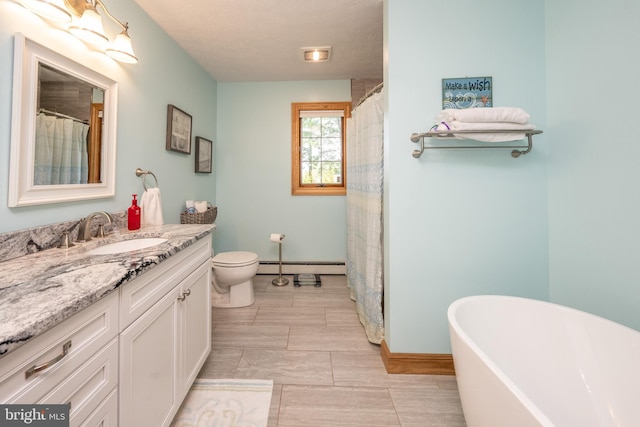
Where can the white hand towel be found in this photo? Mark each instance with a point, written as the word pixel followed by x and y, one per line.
pixel 490 114
pixel 151 207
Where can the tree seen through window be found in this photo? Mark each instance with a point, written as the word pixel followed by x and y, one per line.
pixel 321 150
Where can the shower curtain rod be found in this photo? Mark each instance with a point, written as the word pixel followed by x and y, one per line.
pixel 64 116
pixel 377 88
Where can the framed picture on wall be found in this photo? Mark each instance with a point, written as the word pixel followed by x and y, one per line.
pixel 204 155
pixel 178 130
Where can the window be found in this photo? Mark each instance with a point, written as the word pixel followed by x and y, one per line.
pixel 318 148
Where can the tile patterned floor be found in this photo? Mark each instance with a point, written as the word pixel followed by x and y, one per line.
pixel 310 342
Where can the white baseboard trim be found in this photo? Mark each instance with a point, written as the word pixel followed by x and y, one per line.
pixel 300 267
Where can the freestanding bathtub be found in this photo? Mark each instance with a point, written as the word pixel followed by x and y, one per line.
pixel 521 362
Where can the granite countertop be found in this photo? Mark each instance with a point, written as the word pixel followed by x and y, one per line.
pixel 40 290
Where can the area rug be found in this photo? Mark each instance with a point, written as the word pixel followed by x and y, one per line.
pixel 226 403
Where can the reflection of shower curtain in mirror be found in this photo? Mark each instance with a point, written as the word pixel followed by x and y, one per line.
pixel 364 214
pixel 61 151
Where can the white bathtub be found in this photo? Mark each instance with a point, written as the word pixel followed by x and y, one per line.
pixel 522 362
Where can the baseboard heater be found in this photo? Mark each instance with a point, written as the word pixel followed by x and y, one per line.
pixel 299 267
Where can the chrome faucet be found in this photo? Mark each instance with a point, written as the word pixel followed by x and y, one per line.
pixel 84 231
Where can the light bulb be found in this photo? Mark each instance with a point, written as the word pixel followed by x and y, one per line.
pixel 121 49
pixel 89 29
pixel 49 9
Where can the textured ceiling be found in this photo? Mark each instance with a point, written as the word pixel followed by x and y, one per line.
pixel 261 40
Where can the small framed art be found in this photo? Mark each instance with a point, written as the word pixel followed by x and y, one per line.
pixel 204 155
pixel 178 130
pixel 467 92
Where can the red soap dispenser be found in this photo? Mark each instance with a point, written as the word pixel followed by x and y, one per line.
pixel 133 214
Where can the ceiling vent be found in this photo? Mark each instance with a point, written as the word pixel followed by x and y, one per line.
pixel 316 54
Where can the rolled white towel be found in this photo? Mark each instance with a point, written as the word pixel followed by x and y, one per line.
pixel 486 115
pixel 201 206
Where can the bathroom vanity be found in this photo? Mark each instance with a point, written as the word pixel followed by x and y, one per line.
pixel 118 336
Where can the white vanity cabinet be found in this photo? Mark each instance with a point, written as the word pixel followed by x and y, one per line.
pixel 128 359
pixel 74 362
pixel 166 337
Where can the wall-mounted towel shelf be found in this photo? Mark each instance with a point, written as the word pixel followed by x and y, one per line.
pixel 517 152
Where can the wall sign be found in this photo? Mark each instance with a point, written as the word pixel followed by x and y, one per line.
pixel 467 92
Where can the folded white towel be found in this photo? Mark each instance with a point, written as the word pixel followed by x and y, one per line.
pixel 487 115
pixel 490 126
pixel 491 137
pixel 452 127
pixel 151 207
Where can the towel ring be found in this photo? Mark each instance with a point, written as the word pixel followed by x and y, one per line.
pixel 143 173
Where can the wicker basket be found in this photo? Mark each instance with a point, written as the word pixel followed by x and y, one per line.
pixel 206 217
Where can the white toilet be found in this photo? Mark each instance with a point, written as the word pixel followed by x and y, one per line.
pixel 232 279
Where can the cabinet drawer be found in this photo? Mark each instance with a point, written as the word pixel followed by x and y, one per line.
pixel 105 415
pixel 139 296
pixel 88 331
pixel 87 387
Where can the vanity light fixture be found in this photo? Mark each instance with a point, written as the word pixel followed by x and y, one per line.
pixel 54 10
pixel 87 24
pixel 316 54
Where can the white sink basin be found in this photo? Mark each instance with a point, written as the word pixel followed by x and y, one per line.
pixel 127 246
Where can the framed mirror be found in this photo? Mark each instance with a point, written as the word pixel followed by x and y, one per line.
pixel 63 129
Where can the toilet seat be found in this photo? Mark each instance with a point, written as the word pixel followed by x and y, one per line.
pixel 234 259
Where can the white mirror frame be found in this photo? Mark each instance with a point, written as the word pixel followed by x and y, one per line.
pixel 22 191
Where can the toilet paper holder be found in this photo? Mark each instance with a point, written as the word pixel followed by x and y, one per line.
pixel 279 281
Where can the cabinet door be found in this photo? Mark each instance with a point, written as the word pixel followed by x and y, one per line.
pixel 195 327
pixel 148 360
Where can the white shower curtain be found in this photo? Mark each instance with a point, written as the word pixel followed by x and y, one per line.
pixel 364 214
pixel 61 151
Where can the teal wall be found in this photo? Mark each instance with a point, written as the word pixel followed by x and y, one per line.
pixel 253 163
pixel 461 222
pixel 560 223
pixel 593 65
pixel 164 75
